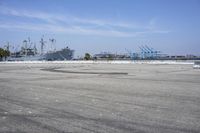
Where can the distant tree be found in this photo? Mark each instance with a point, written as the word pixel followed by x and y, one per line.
pixel 1 54
pixel 87 56
pixel 4 54
pixel 110 57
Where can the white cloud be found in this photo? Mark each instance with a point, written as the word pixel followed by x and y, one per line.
pixel 76 25
pixel 59 17
pixel 70 30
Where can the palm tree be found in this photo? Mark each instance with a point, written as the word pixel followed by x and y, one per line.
pixel 1 54
pixel 87 56
pixel 4 54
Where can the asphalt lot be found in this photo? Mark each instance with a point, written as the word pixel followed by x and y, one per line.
pixel 40 98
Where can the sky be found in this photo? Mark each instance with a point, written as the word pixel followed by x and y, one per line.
pixel 95 26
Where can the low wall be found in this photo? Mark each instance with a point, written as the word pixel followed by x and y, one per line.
pixel 109 62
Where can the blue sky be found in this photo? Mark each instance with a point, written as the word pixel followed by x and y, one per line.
pixel 171 26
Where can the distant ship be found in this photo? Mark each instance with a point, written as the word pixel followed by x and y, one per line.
pixel 28 53
pixel 64 54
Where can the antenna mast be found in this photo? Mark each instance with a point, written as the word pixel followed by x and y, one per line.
pixel 52 45
pixel 42 45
